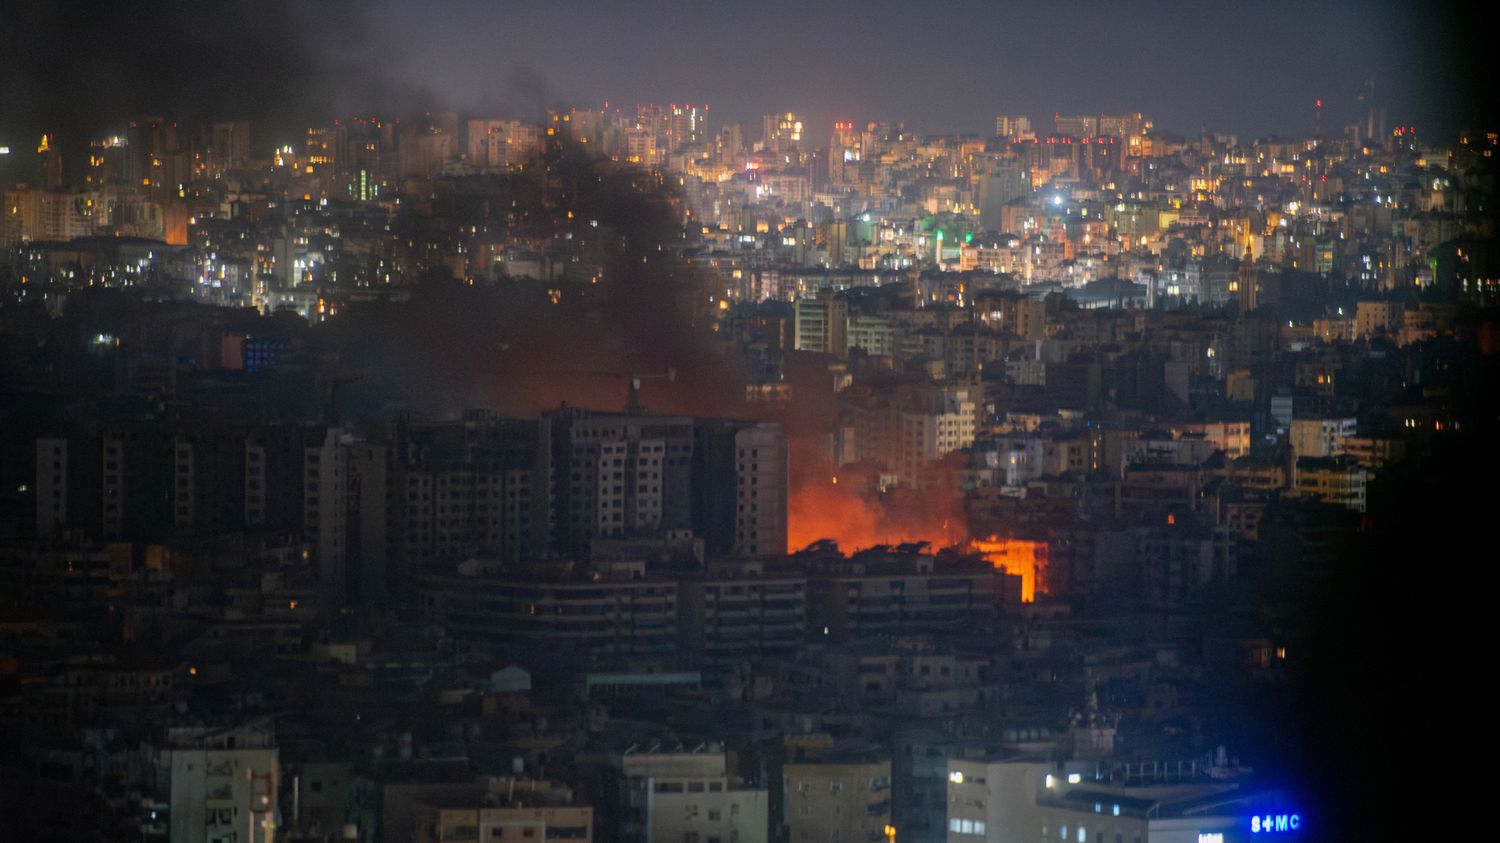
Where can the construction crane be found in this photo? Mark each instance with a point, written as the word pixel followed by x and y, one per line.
pixel 332 386
pixel 633 380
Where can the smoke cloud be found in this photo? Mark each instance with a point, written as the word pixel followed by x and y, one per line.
pixel 519 347
pixel 77 68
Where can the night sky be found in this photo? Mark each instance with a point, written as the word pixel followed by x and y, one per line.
pixel 1249 69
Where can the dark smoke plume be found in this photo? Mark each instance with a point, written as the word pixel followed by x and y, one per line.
pixel 525 94
pixel 511 348
pixel 78 68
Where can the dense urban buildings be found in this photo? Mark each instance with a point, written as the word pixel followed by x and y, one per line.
pixel 627 473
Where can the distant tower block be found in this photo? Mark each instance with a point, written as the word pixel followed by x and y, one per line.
pixel 1249 283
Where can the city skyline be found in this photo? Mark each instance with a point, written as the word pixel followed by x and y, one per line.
pixel 948 423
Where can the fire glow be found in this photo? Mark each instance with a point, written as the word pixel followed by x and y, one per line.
pixel 835 511
pixel 830 510
pixel 1021 557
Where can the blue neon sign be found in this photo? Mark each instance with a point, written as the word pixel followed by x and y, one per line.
pixel 1275 823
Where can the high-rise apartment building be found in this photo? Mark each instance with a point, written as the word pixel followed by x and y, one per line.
pixel 845 154
pixel 31 214
pixel 51 486
pixel 1004 182
pixel 821 324
pixel 1012 126
pixel 327 149
pixel 473 487
pixel 1081 126
pixel 619 475
pixel 325 507
pixel 740 488
pixel 781 132
pixel 486 144
pixel 228 146
pixel 1124 125
pixel 1321 437
pixel 731 142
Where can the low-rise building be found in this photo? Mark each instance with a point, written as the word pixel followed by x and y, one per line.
pixel 882 593
pixel 510 812
pixel 1338 480
pixel 1025 799
pixel 559 605
pixel 217 785
pixel 828 802
pixel 689 795
pixel 736 612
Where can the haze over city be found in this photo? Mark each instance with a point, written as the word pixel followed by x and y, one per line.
pixel 939 67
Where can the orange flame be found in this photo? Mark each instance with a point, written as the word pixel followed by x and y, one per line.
pixel 837 511
pixel 838 504
pixel 1023 557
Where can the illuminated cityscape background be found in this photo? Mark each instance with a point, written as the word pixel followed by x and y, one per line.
pixel 726 422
